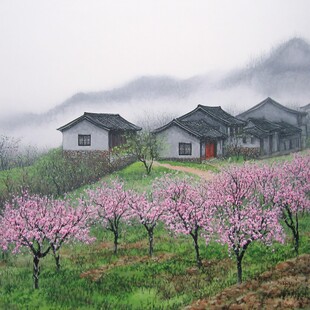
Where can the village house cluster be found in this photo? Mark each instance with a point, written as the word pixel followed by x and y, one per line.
pixel 206 132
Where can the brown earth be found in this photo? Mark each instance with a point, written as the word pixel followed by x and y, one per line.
pixel 285 287
pixel 207 175
pixel 96 274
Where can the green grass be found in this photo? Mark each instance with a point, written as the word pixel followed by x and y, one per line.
pixel 204 166
pixel 168 281
pixel 131 280
pixel 135 177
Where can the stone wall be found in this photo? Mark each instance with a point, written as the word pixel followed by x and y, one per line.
pixel 105 160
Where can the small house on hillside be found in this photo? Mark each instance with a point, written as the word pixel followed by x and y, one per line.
pixel 199 134
pixel 95 132
pixel 274 128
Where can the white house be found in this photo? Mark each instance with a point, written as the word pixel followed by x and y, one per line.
pixel 199 134
pixel 275 128
pixel 95 132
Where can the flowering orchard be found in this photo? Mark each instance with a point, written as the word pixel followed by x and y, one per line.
pixel 293 192
pixel 110 203
pixel 242 205
pixel 245 212
pixel 148 210
pixel 187 208
pixel 41 224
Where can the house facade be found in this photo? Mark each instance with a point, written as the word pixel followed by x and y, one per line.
pixel 95 132
pixel 306 109
pixel 274 128
pixel 199 134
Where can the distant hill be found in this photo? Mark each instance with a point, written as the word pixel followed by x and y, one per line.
pixel 286 69
pixel 283 73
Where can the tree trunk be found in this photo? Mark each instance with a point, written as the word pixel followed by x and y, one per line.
pixel 296 241
pixel 151 239
pixel 57 261
pixel 239 269
pixel 36 271
pixel 115 242
pixel 296 236
pixel 288 219
pixel 198 259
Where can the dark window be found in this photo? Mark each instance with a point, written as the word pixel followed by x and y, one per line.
pixel 291 144
pixel 116 139
pixel 185 149
pixel 84 140
pixel 232 131
pixel 244 140
pixel 252 140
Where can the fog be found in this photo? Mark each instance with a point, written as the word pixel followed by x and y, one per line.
pixel 149 114
pixel 119 54
pixel 152 101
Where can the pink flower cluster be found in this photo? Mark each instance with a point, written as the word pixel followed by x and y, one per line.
pixel 41 224
pixel 241 205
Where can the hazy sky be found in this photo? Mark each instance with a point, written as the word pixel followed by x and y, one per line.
pixel 51 49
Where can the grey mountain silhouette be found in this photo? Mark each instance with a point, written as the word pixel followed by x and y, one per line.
pixel 284 71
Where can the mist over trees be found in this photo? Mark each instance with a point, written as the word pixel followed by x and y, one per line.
pixel 14 154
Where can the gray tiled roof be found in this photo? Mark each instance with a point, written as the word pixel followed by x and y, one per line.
pixel 260 127
pixel 220 114
pixel 270 101
pixel 264 125
pixel 199 129
pixel 203 129
pixel 288 129
pixel 305 107
pixel 103 120
pixel 254 131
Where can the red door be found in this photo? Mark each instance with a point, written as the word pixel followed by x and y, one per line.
pixel 210 150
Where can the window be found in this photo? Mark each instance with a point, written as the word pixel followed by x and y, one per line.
pixel 185 149
pixel 232 131
pixel 244 139
pixel 291 144
pixel 252 140
pixel 84 140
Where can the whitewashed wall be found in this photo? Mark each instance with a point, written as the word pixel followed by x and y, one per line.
pixel 171 137
pixel 99 137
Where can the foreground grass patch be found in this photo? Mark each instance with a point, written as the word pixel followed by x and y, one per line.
pixel 132 280
pixel 204 166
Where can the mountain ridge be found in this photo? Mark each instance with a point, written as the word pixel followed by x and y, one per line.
pixel 283 73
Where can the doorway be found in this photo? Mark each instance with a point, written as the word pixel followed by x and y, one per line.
pixel 210 150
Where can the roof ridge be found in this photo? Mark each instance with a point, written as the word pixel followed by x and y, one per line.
pixel 106 121
pixel 85 113
pixel 272 101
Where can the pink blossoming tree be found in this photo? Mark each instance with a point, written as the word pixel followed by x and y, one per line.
pixel 69 224
pixel 245 209
pixel 148 211
pixel 36 223
pixel 27 224
pixel 111 206
pixel 187 209
pixel 293 193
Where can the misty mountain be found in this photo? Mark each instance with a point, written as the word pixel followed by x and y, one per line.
pixel 286 69
pixel 143 89
pixel 283 73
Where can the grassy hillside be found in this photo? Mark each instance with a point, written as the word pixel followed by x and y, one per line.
pixel 92 277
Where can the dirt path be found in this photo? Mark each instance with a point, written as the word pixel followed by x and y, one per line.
pixel 207 175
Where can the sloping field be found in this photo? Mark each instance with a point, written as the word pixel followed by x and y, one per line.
pixel 286 286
